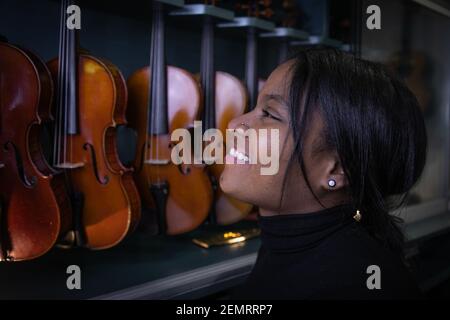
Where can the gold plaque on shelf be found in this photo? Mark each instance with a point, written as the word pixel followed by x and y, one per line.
pixel 226 238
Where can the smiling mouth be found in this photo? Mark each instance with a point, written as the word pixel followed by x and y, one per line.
pixel 238 155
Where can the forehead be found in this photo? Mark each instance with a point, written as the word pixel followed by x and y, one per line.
pixel 279 80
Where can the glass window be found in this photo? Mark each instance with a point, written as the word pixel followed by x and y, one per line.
pixel 413 41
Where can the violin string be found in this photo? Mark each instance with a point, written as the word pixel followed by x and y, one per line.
pixel 149 135
pixel 66 86
pixel 76 62
pixel 56 138
pixel 66 83
pixel 154 139
pixel 160 76
pixel 154 87
pixel 72 78
pixel 63 72
pixel 69 92
pixel 213 82
pixel 66 93
pixel 208 74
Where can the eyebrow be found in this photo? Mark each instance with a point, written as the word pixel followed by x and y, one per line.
pixel 278 98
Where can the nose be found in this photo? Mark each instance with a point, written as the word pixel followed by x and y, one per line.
pixel 243 122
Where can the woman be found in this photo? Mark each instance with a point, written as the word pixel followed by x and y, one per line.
pixel 352 144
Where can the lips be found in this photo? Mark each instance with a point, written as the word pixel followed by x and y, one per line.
pixel 238 155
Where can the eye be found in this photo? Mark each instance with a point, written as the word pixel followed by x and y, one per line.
pixel 267 114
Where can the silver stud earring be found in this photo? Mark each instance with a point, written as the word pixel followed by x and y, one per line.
pixel 332 183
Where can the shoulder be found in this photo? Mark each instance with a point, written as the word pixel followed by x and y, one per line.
pixel 360 267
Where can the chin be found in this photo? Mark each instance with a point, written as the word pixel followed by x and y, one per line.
pixel 231 183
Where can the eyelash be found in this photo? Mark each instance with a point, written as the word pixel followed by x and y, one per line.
pixel 267 114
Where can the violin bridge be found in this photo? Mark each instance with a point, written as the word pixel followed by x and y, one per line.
pixel 69 165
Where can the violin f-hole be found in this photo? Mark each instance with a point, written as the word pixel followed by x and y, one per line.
pixel 102 180
pixel 28 182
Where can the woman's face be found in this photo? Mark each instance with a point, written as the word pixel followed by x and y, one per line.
pixel 245 182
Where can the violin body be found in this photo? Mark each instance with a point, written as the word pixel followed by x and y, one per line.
pixel 230 102
pixel 35 205
pixel 111 203
pixel 190 194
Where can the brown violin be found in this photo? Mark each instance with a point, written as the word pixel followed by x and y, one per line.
pixel 164 98
pixel 224 98
pixel 35 208
pixel 91 103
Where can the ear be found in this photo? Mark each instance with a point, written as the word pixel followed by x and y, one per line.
pixel 332 171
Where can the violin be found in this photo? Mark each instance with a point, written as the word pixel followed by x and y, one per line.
pixel 35 208
pixel 224 98
pixel 91 99
pixel 162 99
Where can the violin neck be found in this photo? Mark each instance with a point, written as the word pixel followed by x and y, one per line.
pixel 251 67
pixel 66 115
pixel 207 73
pixel 158 120
pixel 68 74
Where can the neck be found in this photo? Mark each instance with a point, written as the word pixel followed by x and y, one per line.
pixel 300 232
pixel 306 207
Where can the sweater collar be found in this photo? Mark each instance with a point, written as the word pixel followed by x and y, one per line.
pixel 298 232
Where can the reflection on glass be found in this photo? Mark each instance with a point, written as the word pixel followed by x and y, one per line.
pixel 412 44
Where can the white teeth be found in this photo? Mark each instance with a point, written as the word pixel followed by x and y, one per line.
pixel 239 155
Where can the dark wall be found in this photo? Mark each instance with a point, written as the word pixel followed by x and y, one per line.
pixel 120 31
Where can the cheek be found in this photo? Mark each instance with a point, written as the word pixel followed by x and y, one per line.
pixel 273 147
pixel 248 183
pixel 236 179
pixel 262 191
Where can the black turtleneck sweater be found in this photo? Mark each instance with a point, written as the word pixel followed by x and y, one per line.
pixel 323 255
